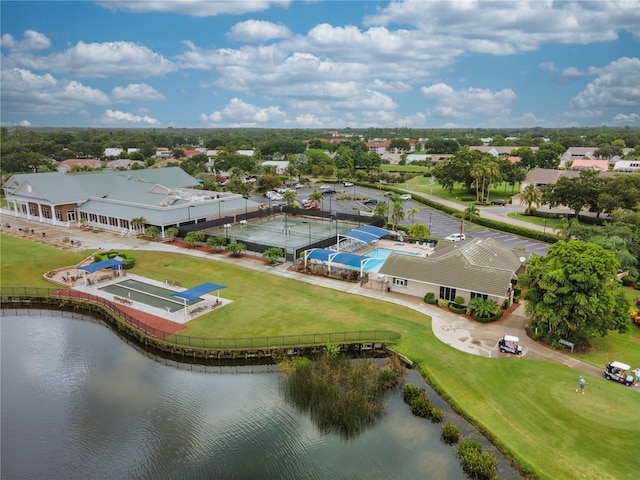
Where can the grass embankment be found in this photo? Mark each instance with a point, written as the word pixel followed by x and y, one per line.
pixel 529 406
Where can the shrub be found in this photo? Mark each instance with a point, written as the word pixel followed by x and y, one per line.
pixel 443 303
pixel 450 433
pixel 420 406
pixel 476 463
pixel 629 280
pixel 458 300
pixel 411 391
pixel 430 298
pixel 436 414
pixel 457 308
pixel 128 260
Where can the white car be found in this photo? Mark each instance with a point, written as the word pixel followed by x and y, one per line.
pixel 348 184
pixel 406 196
pixel 456 237
pixel 298 186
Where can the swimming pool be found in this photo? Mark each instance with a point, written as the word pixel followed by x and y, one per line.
pixel 380 256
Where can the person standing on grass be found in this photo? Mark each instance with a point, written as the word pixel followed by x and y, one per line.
pixel 582 382
pixel 637 373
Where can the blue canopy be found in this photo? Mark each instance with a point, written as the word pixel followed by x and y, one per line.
pixel 347 259
pixel 196 292
pixel 366 233
pixel 94 267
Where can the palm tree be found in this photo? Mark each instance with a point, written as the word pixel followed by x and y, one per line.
pixel 138 224
pixel 316 196
pixel 289 196
pixel 476 173
pixel 491 171
pixel 531 195
pixel 397 211
pixel 412 214
pixel 471 213
pixel 381 210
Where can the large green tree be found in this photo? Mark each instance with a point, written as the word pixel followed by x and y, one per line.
pixel 575 193
pixel 572 294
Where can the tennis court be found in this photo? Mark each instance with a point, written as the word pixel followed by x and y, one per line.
pixel 285 231
pixel 152 295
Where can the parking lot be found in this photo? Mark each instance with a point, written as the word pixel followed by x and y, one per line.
pixel 441 225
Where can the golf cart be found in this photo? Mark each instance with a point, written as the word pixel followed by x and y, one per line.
pixel 619 372
pixel 509 344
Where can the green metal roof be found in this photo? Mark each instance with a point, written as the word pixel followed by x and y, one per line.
pixel 482 266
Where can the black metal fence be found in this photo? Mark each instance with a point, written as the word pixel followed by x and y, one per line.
pixel 260 248
pixel 23 295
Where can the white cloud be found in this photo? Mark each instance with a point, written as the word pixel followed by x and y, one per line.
pixel 447 102
pixel 548 66
pixel 569 74
pixel 136 91
pixel 501 28
pixel 622 119
pixel 258 31
pixel 100 60
pixel 240 114
pixel 618 85
pixel 32 40
pixel 117 117
pixel 24 123
pixel 196 8
pixel 24 92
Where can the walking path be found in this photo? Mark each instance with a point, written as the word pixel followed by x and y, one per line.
pixel 458 332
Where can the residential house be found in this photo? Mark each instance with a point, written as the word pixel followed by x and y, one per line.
pixel 469 269
pixel 503 152
pixel 281 166
pixel 586 164
pixel 123 164
pixel 627 166
pixel 84 163
pixel 546 176
pixel 416 157
pixel 112 152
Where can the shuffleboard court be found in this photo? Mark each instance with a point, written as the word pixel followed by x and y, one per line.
pixel 148 294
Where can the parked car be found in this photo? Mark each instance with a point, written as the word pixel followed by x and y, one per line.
pixel 405 196
pixel 298 186
pixel 456 237
pixel 348 184
pixel 500 202
pixel 328 191
pixel 620 372
pixel 324 187
pixel 510 344
pixel 312 206
pixel 371 201
pixel 388 194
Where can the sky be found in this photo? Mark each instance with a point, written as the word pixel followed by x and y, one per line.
pixel 320 64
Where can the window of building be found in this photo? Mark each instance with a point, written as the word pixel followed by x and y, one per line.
pixel 400 282
pixel 71 215
pixel 59 215
pixel 448 293
pixel 102 219
pixel 479 295
pixel 113 221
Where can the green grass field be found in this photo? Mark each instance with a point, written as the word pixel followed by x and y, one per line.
pixel 529 406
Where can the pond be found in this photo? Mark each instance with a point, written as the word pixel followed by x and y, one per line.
pixel 79 402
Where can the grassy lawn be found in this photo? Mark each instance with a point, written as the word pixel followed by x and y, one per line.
pixel 529 406
pixel 552 223
pixel 404 168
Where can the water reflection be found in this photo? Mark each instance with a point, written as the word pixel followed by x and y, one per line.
pixel 77 402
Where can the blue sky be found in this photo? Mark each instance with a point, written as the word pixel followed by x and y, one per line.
pixel 320 64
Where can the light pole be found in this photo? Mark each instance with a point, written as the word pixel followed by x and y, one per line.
pixel 354 192
pixel 308 225
pixel 545 225
pixel 246 210
pixel 330 199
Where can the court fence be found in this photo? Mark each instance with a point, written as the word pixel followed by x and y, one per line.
pixel 260 248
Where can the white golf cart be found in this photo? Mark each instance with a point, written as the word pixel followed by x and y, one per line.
pixel 619 372
pixel 510 344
